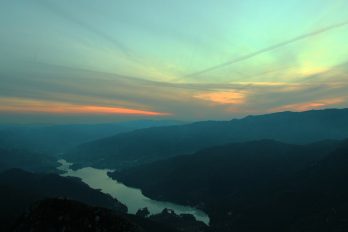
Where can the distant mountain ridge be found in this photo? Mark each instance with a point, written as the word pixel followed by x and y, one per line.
pixel 55 139
pixel 146 145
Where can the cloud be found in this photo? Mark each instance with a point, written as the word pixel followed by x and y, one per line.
pixel 223 97
pixel 20 105
pixel 59 11
pixel 318 104
pixel 186 101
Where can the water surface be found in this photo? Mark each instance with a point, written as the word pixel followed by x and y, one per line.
pixel 131 197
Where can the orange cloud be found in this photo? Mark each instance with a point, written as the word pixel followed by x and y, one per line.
pixel 223 97
pixel 310 105
pixel 19 105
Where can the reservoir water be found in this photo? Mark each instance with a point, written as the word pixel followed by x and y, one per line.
pixel 131 197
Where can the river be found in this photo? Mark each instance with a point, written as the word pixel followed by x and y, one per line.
pixel 131 197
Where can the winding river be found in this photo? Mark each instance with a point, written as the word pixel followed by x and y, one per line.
pixel 131 197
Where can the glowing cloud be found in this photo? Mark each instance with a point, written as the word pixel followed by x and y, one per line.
pixel 18 105
pixel 223 97
pixel 310 105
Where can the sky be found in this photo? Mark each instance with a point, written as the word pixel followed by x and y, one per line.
pixel 113 60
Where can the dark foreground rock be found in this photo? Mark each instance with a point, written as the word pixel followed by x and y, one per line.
pixel 67 215
pixel 182 222
pixel 20 189
pixel 63 215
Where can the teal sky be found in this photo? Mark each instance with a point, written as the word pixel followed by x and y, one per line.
pixel 94 61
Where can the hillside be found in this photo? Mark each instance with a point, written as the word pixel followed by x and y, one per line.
pixel 255 186
pixel 70 216
pixel 146 145
pixel 20 189
pixel 30 161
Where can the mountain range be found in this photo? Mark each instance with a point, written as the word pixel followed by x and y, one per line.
pixel 56 139
pixel 147 145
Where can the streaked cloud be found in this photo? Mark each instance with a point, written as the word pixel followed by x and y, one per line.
pixel 218 60
pixel 271 48
pixel 55 8
pixel 18 105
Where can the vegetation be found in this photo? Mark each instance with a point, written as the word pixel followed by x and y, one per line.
pixel 20 189
pixel 31 161
pixel 255 186
pixel 70 216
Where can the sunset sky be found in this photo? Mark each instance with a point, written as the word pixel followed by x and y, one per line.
pixel 109 60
